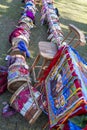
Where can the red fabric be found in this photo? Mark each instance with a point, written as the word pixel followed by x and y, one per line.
pixel 77 81
pixel 3 88
pixel 3 82
pixel 23 70
pixel 66 127
pixel 3 74
pixel 85 128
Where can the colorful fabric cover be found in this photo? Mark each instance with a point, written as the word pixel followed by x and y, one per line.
pixel 50 15
pixel 17 71
pixel 17 32
pixel 66 86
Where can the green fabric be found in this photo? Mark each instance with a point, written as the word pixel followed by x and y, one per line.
pixel 80 121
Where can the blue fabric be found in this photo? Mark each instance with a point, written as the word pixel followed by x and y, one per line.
pixel 3 68
pixel 79 57
pixel 80 120
pixel 29 4
pixel 22 46
pixel 72 126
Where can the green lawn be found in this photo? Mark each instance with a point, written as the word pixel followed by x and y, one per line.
pixel 75 12
pixel 71 11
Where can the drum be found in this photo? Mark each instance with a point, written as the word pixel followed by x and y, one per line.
pixel 24 26
pixel 17 75
pixel 26 20
pixel 27 101
pixel 16 59
pixel 16 51
pixel 23 37
pixel 19 59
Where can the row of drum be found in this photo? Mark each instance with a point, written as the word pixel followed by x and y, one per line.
pixel 25 99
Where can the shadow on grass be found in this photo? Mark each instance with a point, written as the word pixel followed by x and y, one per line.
pixel 10 12
pixel 65 22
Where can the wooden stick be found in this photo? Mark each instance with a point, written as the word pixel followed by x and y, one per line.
pixel 32 94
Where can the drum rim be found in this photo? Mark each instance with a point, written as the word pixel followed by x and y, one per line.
pixel 17 92
pixel 19 38
pixel 21 64
pixel 20 53
pixel 19 56
pixel 15 80
pixel 37 114
pixel 28 24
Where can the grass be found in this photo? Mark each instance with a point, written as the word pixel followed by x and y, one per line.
pixel 71 11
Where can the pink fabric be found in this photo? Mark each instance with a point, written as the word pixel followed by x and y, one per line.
pixel 21 99
pixel 17 32
pixel 23 71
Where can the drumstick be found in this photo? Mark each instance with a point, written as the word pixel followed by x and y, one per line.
pixel 11 49
pixel 29 85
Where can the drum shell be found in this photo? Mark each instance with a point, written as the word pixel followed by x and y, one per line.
pixel 23 102
pixel 18 74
